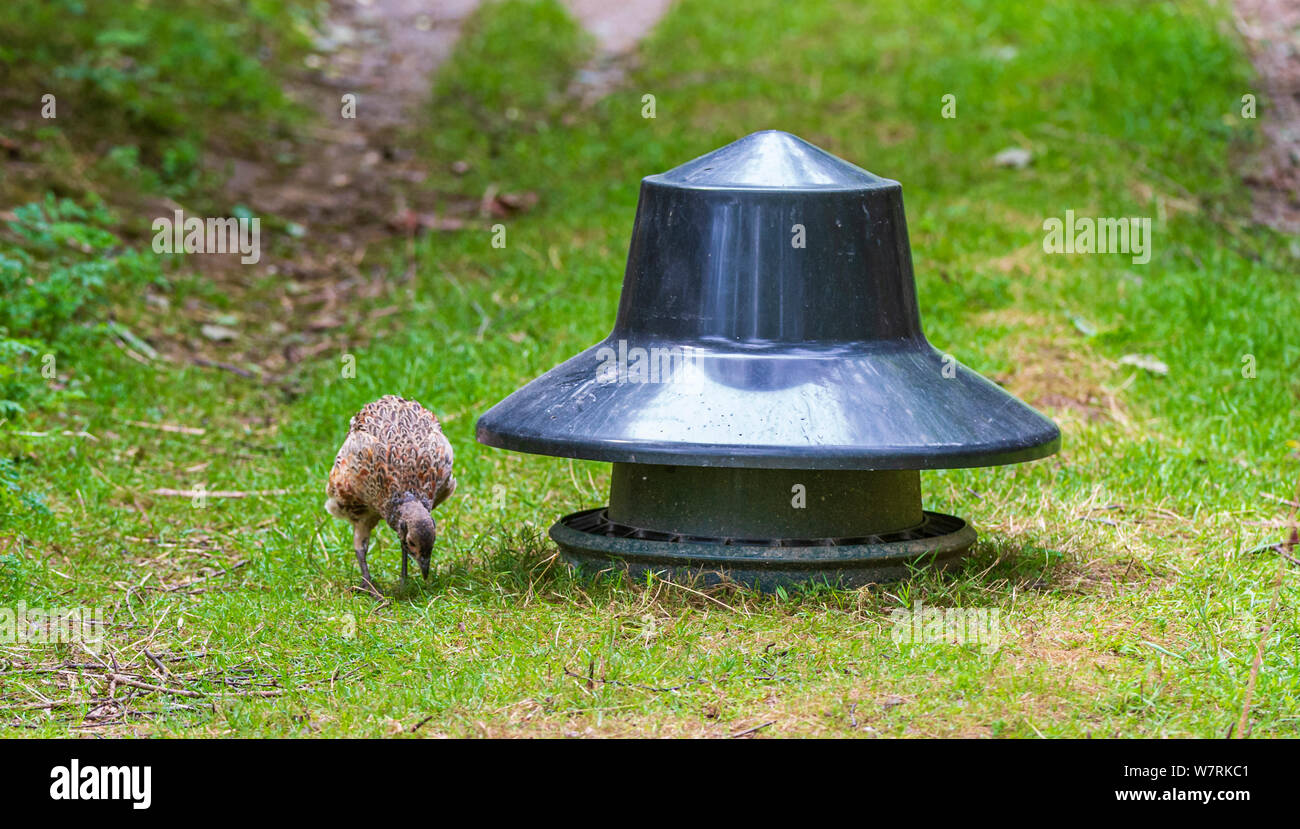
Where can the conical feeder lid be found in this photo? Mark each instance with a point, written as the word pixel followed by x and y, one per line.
pixel 769 319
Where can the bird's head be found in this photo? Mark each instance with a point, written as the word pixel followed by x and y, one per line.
pixel 417 531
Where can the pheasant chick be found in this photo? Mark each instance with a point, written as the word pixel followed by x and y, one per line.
pixel 396 465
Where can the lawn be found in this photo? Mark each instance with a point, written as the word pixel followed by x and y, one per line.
pixel 1130 573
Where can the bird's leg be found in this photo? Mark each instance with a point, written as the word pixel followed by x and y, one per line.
pixel 403 564
pixel 361 541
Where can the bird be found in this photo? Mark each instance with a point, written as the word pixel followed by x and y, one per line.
pixel 395 464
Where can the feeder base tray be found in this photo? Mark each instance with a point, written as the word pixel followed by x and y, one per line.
pixel 590 542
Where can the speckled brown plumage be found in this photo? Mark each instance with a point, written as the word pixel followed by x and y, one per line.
pixel 395 464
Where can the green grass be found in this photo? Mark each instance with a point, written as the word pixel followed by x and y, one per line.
pixel 141 90
pixel 512 68
pixel 1143 626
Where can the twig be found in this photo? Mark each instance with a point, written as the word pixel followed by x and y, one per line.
pixel 702 595
pixel 1292 504
pixel 206 363
pixel 1243 723
pixel 157 663
pixel 1280 549
pixel 123 679
pixel 168 427
pixel 41 706
pixel 1283 549
pixel 201 579
pixel 218 493
pixel 130 352
pixel 690 681
pixel 749 731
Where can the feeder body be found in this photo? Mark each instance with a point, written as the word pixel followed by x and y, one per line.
pixel 767 395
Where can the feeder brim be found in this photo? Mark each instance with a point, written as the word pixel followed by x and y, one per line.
pixel 871 406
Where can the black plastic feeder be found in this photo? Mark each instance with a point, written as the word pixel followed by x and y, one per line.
pixel 767 397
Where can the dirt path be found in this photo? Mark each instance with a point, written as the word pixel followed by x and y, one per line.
pixel 1272 32
pixel 359 178
pixel 618 28
pixel 353 174
pixel 355 182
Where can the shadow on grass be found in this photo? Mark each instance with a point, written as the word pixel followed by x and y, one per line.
pixel 519 567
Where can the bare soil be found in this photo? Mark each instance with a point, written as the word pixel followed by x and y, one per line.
pixel 1271 29
pixel 353 183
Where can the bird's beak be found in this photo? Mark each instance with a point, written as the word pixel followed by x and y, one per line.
pixel 424 567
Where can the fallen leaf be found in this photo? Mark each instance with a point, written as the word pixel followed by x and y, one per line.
pixel 409 221
pixel 501 205
pixel 324 322
pixel 518 201
pixel 219 333
pixel 1145 362
pixel 1016 157
pixel 1084 327
pixel 126 335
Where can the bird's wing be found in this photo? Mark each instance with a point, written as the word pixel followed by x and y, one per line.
pixel 393 446
pixel 436 457
pixel 448 488
pixel 353 479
